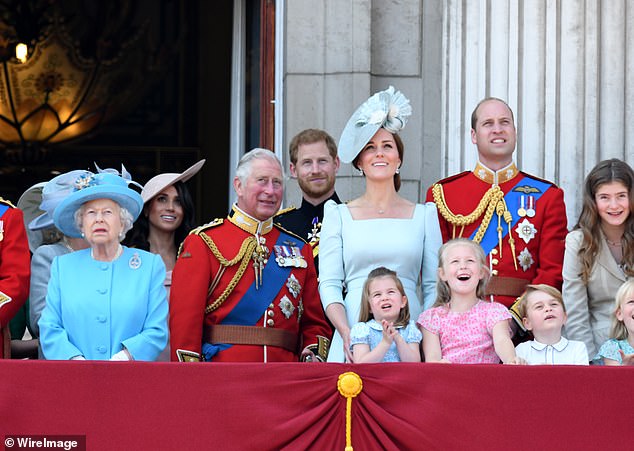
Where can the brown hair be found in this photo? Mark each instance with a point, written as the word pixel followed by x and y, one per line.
pixel 551 291
pixel 400 147
pixel 443 292
pixel 310 136
pixel 606 171
pixel 365 314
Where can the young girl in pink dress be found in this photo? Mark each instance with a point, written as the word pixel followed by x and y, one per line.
pixel 461 327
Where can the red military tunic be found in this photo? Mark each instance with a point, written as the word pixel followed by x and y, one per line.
pixel 293 306
pixel 539 242
pixel 15 270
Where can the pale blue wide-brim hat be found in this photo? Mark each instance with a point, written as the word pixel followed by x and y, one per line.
pixel 52 194
pixel 105 185
pixel 29 203
pixel 387 109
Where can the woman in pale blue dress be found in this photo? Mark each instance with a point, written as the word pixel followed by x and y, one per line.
pixel 380 228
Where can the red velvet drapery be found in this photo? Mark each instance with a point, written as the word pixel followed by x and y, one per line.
pixel 137 406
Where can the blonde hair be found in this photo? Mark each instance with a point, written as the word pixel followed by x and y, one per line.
pixel 366 314
pixel 442 288
pixel 619 331
pixel 551 291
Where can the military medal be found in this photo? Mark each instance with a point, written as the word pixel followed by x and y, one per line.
pixel 526 230
pixel 530 209
pixel 313 235
pixel 135 261
pixel 293 286
pixel 1 230
pixel 289 256
pixel 525 259
pixel 286 306
pixel 521 212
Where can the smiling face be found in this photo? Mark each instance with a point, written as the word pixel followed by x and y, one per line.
pixel 461 269
pixel 494 134
pixel 625 312
pixel 260 195
pixel 315 171
pixel 613 204
pixel 165 211
pixel 386 300
pixel 101 222
pixel 544 313
pixel 379 159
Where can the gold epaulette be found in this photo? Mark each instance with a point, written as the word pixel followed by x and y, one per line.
pixel 285 210
pixel 4 201
pixel 214 223
pixel 197 231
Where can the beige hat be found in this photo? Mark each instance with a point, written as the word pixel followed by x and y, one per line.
pixel 158 183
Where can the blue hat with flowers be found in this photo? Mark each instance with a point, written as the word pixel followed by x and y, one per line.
pixel 107 184
pixel 387 109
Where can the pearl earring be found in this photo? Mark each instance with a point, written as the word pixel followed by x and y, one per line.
pixel 83 235
pixel 398 170
pixel 361 172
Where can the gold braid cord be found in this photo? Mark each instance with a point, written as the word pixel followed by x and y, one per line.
pixel 243 256
pixel 487 205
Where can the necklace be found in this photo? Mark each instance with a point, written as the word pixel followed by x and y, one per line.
pixel 116 254
pixel 613 243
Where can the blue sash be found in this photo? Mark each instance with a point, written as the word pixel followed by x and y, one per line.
pixel 525 185
pixel 3 209
pixel 255 302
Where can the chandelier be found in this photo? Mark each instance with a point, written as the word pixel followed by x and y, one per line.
pixel 69 66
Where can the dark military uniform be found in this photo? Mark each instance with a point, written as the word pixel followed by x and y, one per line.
pixel 305 222
pixel 519 220
pixel 245 291
pixel 15 269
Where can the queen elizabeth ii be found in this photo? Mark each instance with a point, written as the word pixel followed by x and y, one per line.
pixel 106 302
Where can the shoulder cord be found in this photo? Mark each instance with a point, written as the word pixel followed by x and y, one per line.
pixel 487 205
pixel 492 201
pixel 243 256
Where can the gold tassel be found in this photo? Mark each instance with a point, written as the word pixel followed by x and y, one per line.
pixel 349 385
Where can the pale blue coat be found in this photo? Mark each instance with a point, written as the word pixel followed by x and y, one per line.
pixel 95 308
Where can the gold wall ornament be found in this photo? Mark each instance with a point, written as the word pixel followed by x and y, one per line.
pixel 84 65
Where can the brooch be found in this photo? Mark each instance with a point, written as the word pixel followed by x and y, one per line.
pixel 135 261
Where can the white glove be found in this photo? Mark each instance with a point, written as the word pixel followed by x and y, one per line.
pixel 120 356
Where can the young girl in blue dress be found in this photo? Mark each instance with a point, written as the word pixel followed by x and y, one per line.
pixel 619 349
pixel 384 332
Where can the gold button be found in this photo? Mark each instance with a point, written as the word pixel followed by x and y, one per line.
pixel 494 251
pixel 270 322
pixel 270 313
pixel 494 272
pixel 271 305
pixel 494 261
